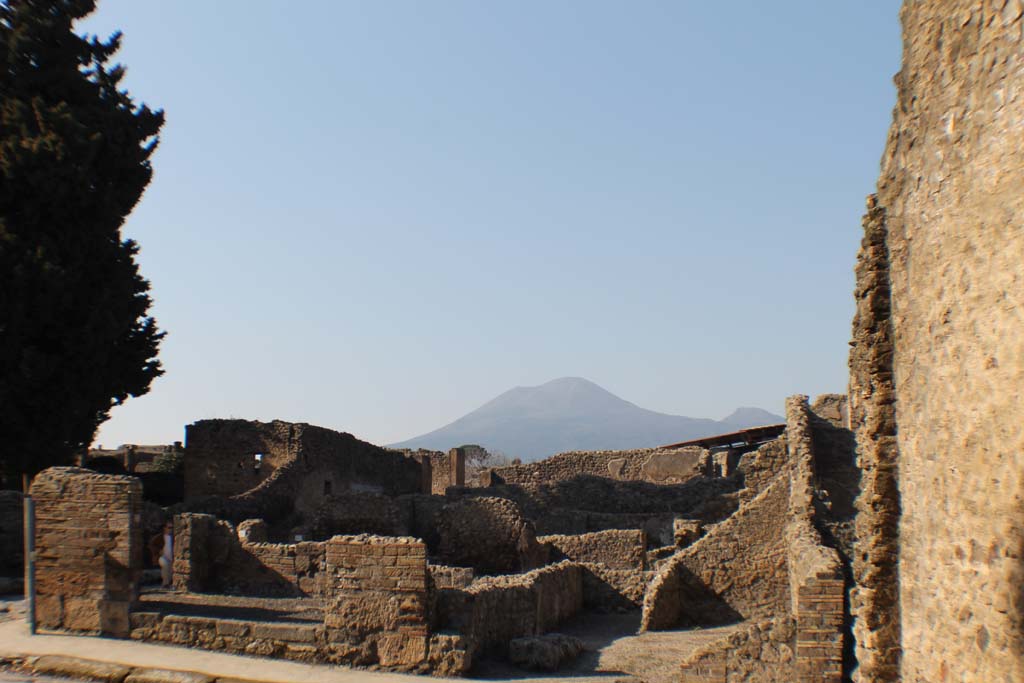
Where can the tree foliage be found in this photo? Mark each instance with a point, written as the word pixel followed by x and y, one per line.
pixel 75 337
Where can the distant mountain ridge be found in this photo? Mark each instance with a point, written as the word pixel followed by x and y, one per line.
pixel 573 413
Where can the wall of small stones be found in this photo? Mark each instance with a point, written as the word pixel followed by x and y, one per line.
pixel 489 534
pixel 616 549
pixel 209 557
pixel 761 652
pixel 950 198
pixel 648 464
pixel 302 465
pixel 358 513
pixel 12 533
pixel 88 549
pixel 737 571
pixel 497 609
pixel 614 590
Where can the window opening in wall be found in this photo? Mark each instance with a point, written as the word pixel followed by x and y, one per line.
pixel 257 461
pixel 327 488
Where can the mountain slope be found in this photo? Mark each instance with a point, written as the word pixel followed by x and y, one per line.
pixel 572 413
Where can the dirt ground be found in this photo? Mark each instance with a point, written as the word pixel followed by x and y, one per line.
pixel 615 650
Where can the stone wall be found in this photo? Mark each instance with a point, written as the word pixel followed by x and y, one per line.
pixel 88 549
pixel 358 513
pixel 209 557
pixel 648 464
pixel 760 467
pixel 874 600
pixel 12 533
pixel 489 534
pixel 447 469
pixel 496 609
pixel 445 577
pixel 616 549
pixel 614 590
pixel 379 598
pixel 761 652
pixel 737 571
pixel 300 466
pixel 817 587
pixel 947 226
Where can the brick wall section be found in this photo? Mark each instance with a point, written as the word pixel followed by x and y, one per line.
pixel 380 594
pixel 816 585
pixel 88 549
pixel 874 600
pixel 12 533
pixel 647 464
pixel 615 548
pixel 447 469
pixel 738 570
pixel 210 557
pixel 445 577
pixel 950 187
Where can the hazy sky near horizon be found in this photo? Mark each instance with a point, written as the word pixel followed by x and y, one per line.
pixel 376 216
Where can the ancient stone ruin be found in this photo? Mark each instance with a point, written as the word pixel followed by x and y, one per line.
pixel 298 542
pixel 877 538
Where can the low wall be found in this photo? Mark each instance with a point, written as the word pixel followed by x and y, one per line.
pixel 88 549
pixel 616 549
pixel 648 464
pixel 209 557
pixel 761 652
pixel 496 609
pixel 445 577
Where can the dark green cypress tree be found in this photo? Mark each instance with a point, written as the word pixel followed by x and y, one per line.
pixel 75 338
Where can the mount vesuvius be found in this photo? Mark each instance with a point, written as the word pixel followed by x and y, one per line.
pixel 574 414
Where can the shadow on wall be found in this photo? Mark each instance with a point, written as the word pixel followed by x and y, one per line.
pixel 701 606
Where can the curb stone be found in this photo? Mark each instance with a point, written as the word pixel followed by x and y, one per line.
pixel 73 667
pixel 79 668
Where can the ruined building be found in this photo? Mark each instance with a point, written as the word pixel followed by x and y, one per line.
pixel 341 551
pixel 892 552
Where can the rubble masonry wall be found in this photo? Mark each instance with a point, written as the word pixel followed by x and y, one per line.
pixel 951 214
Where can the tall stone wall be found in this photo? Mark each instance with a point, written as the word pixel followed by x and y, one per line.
pixel 946 233
pixel 88 549
pixel 496 609
pixel 300 467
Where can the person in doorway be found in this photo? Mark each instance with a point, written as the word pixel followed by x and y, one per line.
pixel 161 547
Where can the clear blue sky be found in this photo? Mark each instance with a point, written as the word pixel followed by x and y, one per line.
pixel 375 216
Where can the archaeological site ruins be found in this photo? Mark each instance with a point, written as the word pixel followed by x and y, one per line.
pixel 874 536
pixel 298 542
